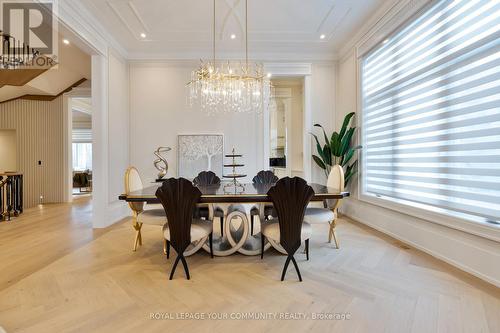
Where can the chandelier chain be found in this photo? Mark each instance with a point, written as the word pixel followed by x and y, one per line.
pixel 229 86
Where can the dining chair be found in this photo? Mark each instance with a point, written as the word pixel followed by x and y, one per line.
pixel 265 177
pixel 142 213
pixel 329 213
pixel 206 178
pixel 290 197
pixel 179 198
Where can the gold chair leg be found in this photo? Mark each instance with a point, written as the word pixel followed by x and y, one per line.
pixel 138 236
pixel 332 233
pixel 164 246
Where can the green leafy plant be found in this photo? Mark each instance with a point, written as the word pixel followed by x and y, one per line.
pixel 338 149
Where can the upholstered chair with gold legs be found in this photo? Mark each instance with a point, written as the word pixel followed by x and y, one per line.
pixel 329 213
pixel 142 213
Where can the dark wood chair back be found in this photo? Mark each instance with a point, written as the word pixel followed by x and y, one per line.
pixel 265 177
pixel 290 197
pixel 179 198
pixel 205 178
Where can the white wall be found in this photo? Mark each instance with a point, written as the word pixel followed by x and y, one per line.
pixel 323 109
pixel 118 126
pixel 159 111
pixel 474 254
pixel 8 150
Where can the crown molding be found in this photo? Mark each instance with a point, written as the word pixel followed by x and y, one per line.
pixel 288 68
pixel 80 21
pixel 280 68
pixel 235 56
pixel 376 20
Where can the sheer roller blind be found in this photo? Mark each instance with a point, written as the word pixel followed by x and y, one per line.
pixel 82 135
pixel 431 111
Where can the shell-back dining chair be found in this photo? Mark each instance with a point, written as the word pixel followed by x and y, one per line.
pixel 142 213
pixel 206 178
pixel 263 177
pixel 329 213
pixel 290 197
pixel 179 198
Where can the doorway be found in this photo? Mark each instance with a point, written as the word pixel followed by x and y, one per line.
pixel 286 127
pixel 81 145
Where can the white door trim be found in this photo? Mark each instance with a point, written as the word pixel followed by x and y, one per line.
pixel 68 138
pixel 303 70
pixel 99 45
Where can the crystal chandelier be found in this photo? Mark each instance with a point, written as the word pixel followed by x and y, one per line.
pixel 229 86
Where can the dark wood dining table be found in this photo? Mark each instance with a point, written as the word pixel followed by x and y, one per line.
pixel 236 202
pixel 249 193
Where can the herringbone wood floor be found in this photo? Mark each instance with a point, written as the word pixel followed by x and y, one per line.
pixel 59 275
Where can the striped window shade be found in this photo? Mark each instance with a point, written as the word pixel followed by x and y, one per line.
pixel 82 135
pixel 431 111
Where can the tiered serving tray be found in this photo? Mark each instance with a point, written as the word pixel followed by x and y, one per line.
pixel 234 185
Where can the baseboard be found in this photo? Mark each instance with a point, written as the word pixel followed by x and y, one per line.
pixel 475 255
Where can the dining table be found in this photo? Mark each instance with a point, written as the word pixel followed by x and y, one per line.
pixel 236 202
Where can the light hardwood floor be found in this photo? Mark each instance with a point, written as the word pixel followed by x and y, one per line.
pixel 59 275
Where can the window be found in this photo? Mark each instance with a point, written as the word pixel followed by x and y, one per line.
pixel 431 112
pixel 82 149
pixel 82 156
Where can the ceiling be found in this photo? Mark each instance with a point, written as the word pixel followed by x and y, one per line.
pixel 183 29
pixel 82 110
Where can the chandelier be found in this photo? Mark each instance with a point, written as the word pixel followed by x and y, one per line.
pixel 229 86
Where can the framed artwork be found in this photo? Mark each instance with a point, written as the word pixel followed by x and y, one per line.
pixel 199 152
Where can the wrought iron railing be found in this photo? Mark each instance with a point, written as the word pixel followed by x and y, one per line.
pixel 11 195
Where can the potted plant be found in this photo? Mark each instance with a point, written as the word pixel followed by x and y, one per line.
pixel 338 149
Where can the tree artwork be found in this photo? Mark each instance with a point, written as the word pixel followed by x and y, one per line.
pixel 197 147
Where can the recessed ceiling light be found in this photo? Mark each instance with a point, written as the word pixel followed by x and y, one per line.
pixel 322 36
pixel 269 75
pixel 233 36
pixel 385 41
pixel 143 35
pixel 65 41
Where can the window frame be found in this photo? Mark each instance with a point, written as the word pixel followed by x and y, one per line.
pixel 391 23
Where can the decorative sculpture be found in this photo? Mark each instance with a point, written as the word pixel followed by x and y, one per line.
pixel 157 163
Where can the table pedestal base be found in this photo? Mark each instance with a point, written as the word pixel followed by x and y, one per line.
pixel 237 236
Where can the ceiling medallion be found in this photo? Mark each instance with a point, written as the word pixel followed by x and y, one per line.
pixel 229 86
